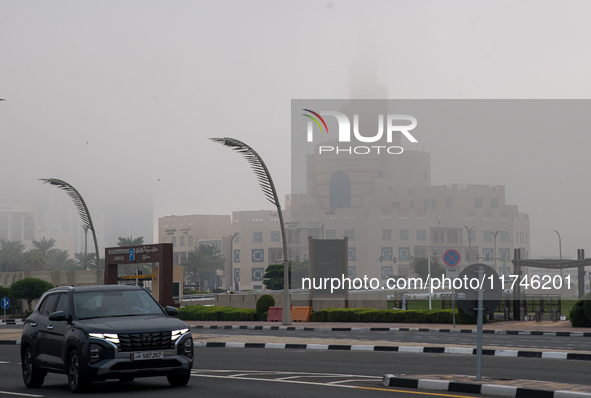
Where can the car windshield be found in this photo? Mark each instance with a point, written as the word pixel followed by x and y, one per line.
pixel 101 304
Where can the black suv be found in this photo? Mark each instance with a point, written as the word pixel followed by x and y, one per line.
pixel 95 333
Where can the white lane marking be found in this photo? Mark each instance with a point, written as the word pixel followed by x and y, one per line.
pixel 280 373
pixel 4 362
pixel 20 393
pixel 278 381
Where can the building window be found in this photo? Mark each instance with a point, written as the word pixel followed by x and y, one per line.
pixel 258 255
pixel 339 191
pixel 182 241
pixel 411 204
pixel 494 203
pixel 236 274
pixel 395 205
pixel 257 237
pixel 191 242
pixel 427 204
pixel 351 254
pixel 331 234
pixel 478 203
pixel 453 236
pixel 182 258
pixel 404 253
pixel 488 236
pixel 488 254
pixel 351 272
pixel 237 255
pixel 275 255
pixel 437 235
pixel 448 203
pixel 420 251
pixel 237 238
pixel 421 234
pixel 292 236
pixel 386 234
pixel 314 233
pixel 504 254
pixel 387 272
pixel 275 236
pixel 29 230
pixel 350 233
pixel 504 236
pixel 386 253
pixel 404 234
pixel 258 274
pixel 433 203
pixel 16 228
pixel 174 242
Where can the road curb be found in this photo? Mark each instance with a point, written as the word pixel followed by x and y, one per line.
pixel 476 388
pixel 377 329
pixel 410 349
pixel 9 342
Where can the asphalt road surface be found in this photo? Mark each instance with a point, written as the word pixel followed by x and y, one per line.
pixel 549 343
pixel 296 373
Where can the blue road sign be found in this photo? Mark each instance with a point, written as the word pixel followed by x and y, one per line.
pixel 5 303
pixel 451 258
pixel 131 255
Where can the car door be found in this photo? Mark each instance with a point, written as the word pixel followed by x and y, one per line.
pixel 42 323
pixel 55 332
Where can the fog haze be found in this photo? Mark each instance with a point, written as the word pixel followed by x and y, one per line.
pixel 119 99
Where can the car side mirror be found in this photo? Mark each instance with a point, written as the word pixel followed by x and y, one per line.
pixel 171 311
pixel 58 316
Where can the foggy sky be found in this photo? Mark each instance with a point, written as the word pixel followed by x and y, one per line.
pixel 119 98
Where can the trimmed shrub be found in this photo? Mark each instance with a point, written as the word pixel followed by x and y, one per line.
pixel 390 316
pixel 215 313
pixel 577 316
pixel 263 304
pixel 586 303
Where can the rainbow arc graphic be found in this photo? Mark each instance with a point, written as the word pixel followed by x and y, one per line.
pixel 317 119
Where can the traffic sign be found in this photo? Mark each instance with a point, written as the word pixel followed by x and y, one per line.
pixel 131 255
pixel 468 297
pixel 5 303
pixel 451 258
pixel 452 272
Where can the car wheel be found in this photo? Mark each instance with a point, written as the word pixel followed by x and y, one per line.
pixel 32 376
pixel 77 381
pixel 126 379
pixel 179 380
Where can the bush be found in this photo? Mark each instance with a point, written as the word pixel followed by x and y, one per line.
pixel 219 290
pixel 577 316
pixel 586 304
pixel 263 304
pixel 215 313
pixel 29 289
pixel 390 316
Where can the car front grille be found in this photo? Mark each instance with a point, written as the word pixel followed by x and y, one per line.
pixel 145 341
pixel 150 364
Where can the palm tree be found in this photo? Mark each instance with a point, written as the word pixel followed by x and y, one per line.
pixel 36 261
pixel 130 241
pixel 202 262
pixel 60 259
pixel 84 261
pixel 11 254
pixel 44 245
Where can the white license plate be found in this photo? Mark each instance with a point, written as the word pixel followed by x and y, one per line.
pixel 141 356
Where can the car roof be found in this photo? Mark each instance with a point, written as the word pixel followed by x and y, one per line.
pixel 95 288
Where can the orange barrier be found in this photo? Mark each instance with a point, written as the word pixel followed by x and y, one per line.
pixel 275 314
pixel 301 314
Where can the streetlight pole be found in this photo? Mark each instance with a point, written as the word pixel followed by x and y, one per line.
pixel 559 250
pixel 495 255
pixel 232 287
pixel 469 243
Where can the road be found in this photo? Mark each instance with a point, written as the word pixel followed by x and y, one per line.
pixel 261 373
pixel 548 343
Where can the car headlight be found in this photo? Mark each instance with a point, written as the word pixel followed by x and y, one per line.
pixel 178 333
pixel 113 338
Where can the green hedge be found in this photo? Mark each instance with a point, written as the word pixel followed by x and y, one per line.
pixel 577 316
pixel 263 304
pixel 215 313
pixel 391 316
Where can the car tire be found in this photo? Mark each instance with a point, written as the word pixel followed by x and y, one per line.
pixel 32 375
pixel 77 380
pixel 126 379
pixel 179 380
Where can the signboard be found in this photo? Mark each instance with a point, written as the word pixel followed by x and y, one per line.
pixel 451 258
pixel 5 303
pixel 452 272
pixel 131 255
pixel 468 297
pixel 151 276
